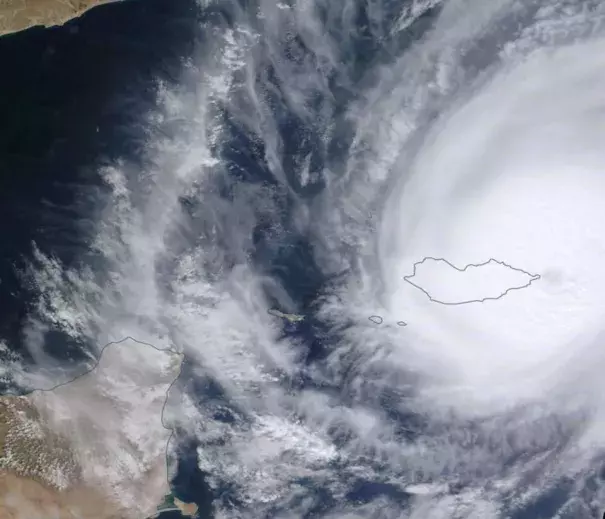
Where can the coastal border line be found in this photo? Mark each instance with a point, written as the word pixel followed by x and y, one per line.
pixel 534 277
pixel 96 365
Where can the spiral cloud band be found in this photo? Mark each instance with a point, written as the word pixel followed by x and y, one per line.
pixel 383 262
pixel 516 172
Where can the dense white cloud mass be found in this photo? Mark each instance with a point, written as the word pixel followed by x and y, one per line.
pixel 445 283
pixel 515 173
pixel 479 137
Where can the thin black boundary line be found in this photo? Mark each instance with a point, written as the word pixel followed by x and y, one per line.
pixel 534 277
pixel 96 365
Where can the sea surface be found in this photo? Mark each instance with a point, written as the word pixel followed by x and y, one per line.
pixel 171 170
pixel 69 103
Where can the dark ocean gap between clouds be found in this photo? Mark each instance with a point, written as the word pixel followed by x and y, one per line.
pixel 70 103
pixel 69 100
pixel 62 114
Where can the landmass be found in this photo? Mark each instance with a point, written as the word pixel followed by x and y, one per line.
pixel 93 448
pixel 173 504
pixel 17 15
pixel 293 318
pixel 444 283
pixel 187 509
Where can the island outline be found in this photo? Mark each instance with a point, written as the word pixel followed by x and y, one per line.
pixel 407 279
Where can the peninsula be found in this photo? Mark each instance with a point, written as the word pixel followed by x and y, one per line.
pixel 92 448
pixel 18 15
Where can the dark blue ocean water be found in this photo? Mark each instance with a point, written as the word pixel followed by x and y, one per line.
pixel 70 102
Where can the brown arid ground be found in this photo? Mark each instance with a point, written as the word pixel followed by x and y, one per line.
pixel 22 497
pixel 187 509
pixel 93 448
pixel 17 15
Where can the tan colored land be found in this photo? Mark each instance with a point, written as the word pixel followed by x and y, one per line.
pixel 187 509
pixel 17 15
pixel 173 504
pixel 94 448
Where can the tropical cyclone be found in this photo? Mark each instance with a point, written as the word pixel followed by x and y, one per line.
pixel 94 447
pixel 17 15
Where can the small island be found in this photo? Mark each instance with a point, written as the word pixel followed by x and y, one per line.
pixel 18 15
pixel 444 283
pixel 293 318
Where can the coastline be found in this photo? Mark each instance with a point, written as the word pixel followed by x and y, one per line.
pixel 20 15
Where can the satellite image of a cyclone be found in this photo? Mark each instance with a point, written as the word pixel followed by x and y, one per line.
pixel 302 259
